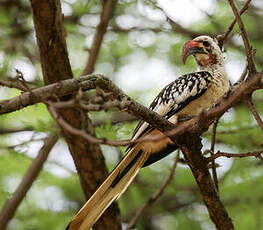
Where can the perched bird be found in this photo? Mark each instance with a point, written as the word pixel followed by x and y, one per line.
pixel 187 96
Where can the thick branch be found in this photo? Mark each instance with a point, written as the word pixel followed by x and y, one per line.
pixel 11 205
pixel 85 83
pixel 191 147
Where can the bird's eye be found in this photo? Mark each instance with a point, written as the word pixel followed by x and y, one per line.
pixel 206 43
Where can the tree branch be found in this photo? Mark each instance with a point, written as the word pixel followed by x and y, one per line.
pixel 185 134
pixel 255 112
pixel 191 147
pixel 11 205
pixel 222 38
pixel 239 155
pixel 71 86
pixel 88 158
pixel 12 84
pixel 248 49
pixel 213 140
pixel 105 17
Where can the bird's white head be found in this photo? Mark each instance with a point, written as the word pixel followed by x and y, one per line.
pixel 205 50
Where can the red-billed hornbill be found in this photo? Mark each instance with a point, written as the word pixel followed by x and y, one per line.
pixel 187 96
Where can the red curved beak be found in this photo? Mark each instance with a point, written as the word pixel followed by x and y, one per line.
pixel 191 47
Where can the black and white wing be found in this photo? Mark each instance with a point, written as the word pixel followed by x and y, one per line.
pixel 174 97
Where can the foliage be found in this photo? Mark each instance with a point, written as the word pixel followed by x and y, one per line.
pixel 141 53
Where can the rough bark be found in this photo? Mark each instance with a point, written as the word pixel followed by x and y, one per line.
pixel 88 158
pixel 191 147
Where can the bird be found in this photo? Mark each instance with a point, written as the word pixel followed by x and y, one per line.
pixel 185 97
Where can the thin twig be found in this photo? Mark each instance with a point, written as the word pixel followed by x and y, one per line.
pixel 223 38
pixel 243 75
pixel 238 155
pixel 82 133
pixel 248 48
pixel 156 196
pixel 13 84
pixel 106 15
pixel 11 205
pixel 213 140
pixel 254 111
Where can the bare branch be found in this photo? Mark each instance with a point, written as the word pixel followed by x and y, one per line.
pixel 156 196
pixel 213 140
pixel 243 75
pixel 11 205
pixel 223 38
pixel 105 17
pixel 13 84
pixel 198 124
pixel 85 83
pixel 254 111
pixel 78 132
pixel 238 155
pixel 248 48
pixel 191 147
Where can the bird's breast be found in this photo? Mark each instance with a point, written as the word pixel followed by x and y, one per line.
pixel 212 94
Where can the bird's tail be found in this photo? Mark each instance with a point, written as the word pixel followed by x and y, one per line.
pixel 111 189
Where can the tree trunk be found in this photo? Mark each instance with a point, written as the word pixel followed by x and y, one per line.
pixel 88 158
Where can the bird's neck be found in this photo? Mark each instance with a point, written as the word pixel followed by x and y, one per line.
pixel 216 70
pixel 219 76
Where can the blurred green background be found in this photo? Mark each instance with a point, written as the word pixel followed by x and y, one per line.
pixel 141 53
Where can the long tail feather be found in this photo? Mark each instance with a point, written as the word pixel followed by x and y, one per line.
pixel 111 189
